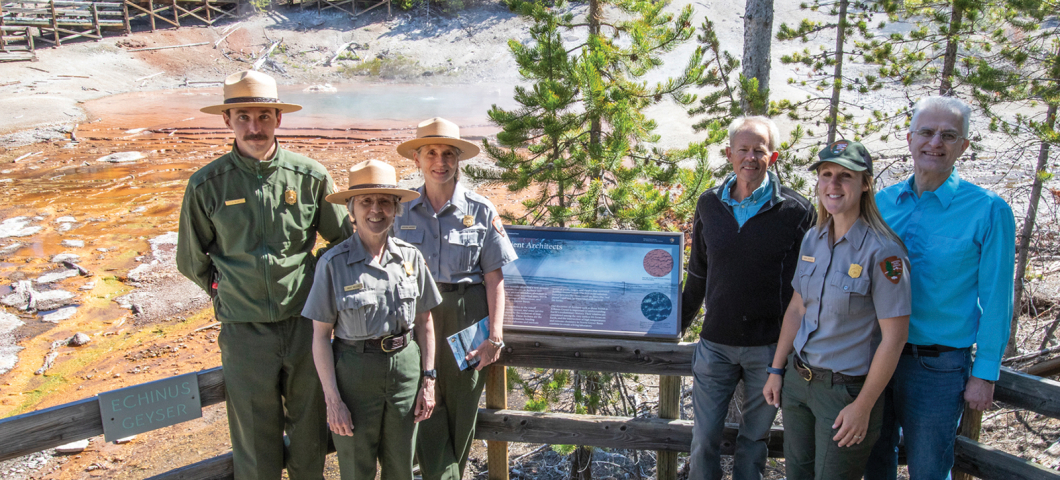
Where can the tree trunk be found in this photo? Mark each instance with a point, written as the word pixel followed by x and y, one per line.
pixel 757 40
pixel 950 60
pixel 837 77
pixel 1028 229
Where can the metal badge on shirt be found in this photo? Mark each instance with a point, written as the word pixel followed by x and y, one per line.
pixel 854 271
pixel 469 220
pixel 408 268
pixel 290 196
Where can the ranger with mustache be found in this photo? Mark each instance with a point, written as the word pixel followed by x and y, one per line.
pixel 248 226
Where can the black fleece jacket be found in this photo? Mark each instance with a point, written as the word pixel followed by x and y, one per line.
pixel 744 272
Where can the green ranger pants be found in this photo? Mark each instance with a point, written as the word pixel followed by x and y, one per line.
pixel 810 409
pixel 379 389
pixel 271 387
pixel 445 438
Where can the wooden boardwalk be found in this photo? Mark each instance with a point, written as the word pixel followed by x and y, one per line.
pixel 59 20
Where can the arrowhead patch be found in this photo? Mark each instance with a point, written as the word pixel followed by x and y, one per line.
pixel 892 268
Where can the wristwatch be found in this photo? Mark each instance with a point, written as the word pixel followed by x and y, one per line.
pixel 499 344
pixel 431 374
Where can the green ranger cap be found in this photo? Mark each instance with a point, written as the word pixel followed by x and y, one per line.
pixel 852 155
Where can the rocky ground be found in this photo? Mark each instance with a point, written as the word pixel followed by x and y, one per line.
pixel 97 142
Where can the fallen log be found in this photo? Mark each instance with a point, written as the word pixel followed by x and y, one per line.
pixel 168 46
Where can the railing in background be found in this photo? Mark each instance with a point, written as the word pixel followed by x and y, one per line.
pixel 55 426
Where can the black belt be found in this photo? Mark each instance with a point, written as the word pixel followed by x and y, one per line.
pixel 809 373
pixel 926 350
pixel 388 344
pixel 453 287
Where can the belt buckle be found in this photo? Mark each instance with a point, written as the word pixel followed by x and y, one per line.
pixel 804 371
pixel 383 343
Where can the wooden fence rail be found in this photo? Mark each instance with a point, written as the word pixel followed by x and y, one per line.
pixel 59 425
pixel 971 457
pixel 40 430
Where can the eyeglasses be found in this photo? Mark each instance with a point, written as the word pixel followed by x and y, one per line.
pixel 949 137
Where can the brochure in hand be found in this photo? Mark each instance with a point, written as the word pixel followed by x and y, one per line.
pixel 467 340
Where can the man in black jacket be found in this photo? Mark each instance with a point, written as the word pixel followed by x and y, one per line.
pixel 745 245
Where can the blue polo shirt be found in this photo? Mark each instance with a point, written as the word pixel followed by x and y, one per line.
pixel 962 246
pixel 743 211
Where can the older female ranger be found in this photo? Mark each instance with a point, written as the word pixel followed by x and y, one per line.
pixel 372 291
pixel 845 326
pixel 464 242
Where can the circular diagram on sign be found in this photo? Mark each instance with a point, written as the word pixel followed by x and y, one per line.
pixel 656 307
pixel 658 263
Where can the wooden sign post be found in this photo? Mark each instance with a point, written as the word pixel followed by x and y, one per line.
pixel 497 398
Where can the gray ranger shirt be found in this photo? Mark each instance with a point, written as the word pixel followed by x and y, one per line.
pixel 845 289
pixel 462 241
pixel 370 299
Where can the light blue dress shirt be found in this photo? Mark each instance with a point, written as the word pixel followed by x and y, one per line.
pixel 961 241
pixel 749 206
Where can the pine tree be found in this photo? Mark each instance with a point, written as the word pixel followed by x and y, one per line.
pixel 945 33
pixel 580 137
pixel 1023 77
pixel 828 71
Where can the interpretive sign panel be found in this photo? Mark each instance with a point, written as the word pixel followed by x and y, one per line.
pixel 141 408
pixel 596 282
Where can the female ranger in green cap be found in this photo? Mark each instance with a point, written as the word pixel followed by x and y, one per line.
pixel 373 292
pixel 845 326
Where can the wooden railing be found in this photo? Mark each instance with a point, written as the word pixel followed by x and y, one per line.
pixel 55 426
pixel 64 20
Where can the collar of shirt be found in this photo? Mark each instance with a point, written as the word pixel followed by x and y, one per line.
pixel 856 234
pixel 944 193
pixel 358 253
pixel 254 165
pixel 758 197
pixel 458 201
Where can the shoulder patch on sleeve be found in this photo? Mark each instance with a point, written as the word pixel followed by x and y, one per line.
pixel 892 268
pixel 498 226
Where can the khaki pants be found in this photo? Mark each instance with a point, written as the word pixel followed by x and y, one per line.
pixel 380 390
pixel 271 387
pixel 445 438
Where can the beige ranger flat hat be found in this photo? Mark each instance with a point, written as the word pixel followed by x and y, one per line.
pixel 250 89
pixel 372 176
pixel 438 131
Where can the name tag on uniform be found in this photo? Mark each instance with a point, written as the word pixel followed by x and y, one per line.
pixel 408 227
pixel 229 203
pixel 350 288
pixel 807 258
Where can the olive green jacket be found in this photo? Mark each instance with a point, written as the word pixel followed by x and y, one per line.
pixel 247 232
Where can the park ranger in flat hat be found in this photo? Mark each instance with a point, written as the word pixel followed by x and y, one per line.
pixel 464 243
pixel 372 292
pixel 248 226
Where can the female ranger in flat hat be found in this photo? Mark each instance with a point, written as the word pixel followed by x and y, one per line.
pixel 464 242
pixel 845 326
pixel 373 292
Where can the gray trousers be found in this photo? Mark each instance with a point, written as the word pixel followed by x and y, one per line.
pixel 716 370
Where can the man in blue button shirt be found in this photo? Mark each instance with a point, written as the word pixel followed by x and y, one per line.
pixel 961 241
pixel 745 246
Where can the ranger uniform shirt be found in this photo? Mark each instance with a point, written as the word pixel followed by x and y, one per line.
pixel 367 299
pixel 846 288
pixel 250 227
pixel 461 242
